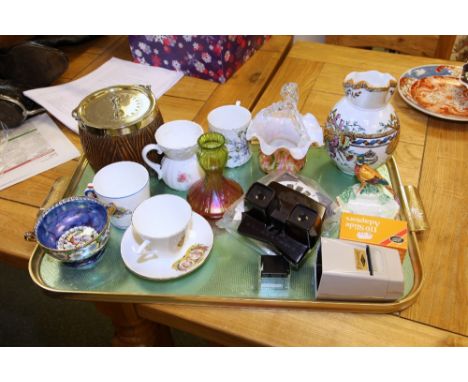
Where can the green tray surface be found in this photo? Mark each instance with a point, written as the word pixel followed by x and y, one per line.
pixel 232 268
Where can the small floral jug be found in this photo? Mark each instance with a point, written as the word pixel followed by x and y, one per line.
pixel 179 167
pixel 363 124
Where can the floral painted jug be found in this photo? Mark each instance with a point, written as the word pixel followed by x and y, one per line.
pixel 363 127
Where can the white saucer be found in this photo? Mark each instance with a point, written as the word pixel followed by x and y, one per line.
pixel 198 243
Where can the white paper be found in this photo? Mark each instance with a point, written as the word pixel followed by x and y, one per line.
pixel 61 100
pixel 36 146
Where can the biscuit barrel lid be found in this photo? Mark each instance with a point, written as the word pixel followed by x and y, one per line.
pixel 117 110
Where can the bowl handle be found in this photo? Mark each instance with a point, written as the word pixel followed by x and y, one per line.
pixel 111 209
pixel 29 236
pixel 55 194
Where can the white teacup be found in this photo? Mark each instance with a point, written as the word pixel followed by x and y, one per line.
pixel 124 184
pixel 161 223
pixel 232 121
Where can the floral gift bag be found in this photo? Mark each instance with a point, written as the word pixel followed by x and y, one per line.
pixel 210 57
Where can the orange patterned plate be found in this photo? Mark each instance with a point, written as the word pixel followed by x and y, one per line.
pixel 436 90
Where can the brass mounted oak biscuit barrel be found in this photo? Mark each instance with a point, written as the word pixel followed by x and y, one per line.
pixel 116 122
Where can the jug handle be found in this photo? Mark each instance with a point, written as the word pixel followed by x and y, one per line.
pixel 155 166
pixel 390 92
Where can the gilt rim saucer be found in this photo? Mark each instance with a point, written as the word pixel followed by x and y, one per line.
pixel 191 256
pixel 448 75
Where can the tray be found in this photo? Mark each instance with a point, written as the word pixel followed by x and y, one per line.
pixel 230 275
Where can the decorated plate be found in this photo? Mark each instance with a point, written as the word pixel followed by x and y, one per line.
pixel 436 90
pixel 191 256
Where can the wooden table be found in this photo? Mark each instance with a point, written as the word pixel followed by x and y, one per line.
pixel 190 98
pixel 432 154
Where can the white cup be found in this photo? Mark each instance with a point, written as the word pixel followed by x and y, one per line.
pixel 161 223
pixel 232 121
pixel 124 184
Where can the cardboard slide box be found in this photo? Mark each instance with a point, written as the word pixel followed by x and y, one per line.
pixel 374 230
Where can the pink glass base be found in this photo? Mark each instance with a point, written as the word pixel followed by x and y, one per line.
pixel 280 160
pixel 212 202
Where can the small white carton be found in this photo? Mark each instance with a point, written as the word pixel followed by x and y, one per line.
pixel 348 270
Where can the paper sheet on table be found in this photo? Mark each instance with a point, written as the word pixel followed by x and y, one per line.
pixel 61 100
pixel 36 146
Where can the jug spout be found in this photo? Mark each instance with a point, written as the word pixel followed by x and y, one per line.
pixel 369 90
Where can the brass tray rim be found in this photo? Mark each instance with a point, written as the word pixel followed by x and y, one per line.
pixel 343 306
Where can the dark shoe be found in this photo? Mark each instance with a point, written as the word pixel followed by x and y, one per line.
pixel 62 40
pixel 14 106
pixel 32 65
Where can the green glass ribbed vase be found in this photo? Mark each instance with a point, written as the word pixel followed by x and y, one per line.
pixel 212 196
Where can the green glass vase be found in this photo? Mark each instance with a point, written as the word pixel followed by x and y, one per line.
pixel 212 196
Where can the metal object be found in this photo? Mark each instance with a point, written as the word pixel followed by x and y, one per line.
pixel 56 193
pixel 417 219
pixel 116 123
pixel 25 112
pixel 105 285
pixel 117 110
pixel 73 230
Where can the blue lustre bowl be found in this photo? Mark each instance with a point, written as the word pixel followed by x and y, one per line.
pixel 74 230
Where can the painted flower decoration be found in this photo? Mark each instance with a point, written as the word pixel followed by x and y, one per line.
pixel 206 57
pixel 144 47
pixel 176 64
pixel 155 60
pixel 183 177
pixel 200 66
pixel 193 256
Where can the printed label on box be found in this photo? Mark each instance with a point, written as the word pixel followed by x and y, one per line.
pixel 374 230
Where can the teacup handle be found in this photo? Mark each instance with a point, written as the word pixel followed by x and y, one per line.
pixel 155 166
pixel 89 191
pixel 139 250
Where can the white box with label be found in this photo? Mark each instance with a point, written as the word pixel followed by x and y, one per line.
pixel 348 270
